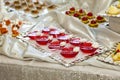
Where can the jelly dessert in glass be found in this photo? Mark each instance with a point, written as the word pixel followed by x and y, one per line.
pixel 42 40
pixel 54 32
pixel 69 52
pixel 86 47
pixel 75 41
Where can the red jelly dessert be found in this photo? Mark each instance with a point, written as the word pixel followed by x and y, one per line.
pixel 32 35
pixel 85 20
pixel 90 15
pixel 86 47
pixel 54 45
pixel 100 19
pixel 63 38
pixel 75 41
pixel 68 52
pixel 46 30
pixel 42 40
pixel 93 24
pixel 61 34
pixel 55 33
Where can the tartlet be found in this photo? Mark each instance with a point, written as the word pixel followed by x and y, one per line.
pixel 90 15
pixel 85 20
pixel 100 19
pixel 34 13
pixel 93 24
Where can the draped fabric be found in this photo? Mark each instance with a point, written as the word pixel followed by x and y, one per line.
pixel 15 48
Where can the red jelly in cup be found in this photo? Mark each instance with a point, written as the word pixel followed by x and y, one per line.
pixel 75 41
pixel 54 45
pixel 86 47
pixel 46 30
pixel 33 35
pixel 68 52
pixel 63 38
pixel 55 33
pixel 42 40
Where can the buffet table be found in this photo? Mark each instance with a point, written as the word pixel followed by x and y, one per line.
pixel 24 58
pixel 12 69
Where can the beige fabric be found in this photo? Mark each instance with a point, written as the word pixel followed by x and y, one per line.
pixel 11 69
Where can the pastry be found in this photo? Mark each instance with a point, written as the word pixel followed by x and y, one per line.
pixel 118 5
pixel 100 19
pixel 27 10
pixel 16 2
pixel 30 5
pixel 3 30
pixel 7 3
pixel 24 5
pixel 113 10
pixel 52 7
pixel 0 25
pixel 18 7
pixel 85 20
pixel 39 7
pixel 36 3
pixel 72 10
pixel 34 13
pixel 90 15
pixel 7 22
pixel 68 13
pixel 76 15
pixel 93 24
pixel 82 12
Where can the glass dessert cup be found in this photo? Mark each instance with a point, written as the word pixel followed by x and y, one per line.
pixel 75 41
pixel 42 40
pixel 87 48
pixel 32 35
pixel 55 45
pixel 63 38
pixel 67 52
pixel 46 31
pixel 55 33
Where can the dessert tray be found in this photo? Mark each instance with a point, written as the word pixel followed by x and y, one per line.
pixel 88 18
pixel 29 7
pixel 112 56
pixel 58 44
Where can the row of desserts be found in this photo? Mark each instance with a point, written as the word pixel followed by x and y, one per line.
pixel 9 26
pixel 87 18
pixel 29 6
pixel 68 45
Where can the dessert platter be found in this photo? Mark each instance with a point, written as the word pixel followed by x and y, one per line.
pixel 85 17
pixel 63 47
pixel 112 56
pixel 29 7
pixel 14 27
